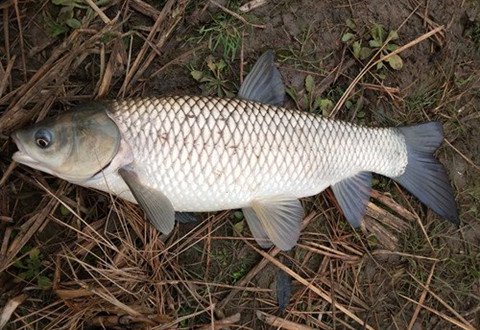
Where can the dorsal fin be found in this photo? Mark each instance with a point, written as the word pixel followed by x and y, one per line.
pixel 264 82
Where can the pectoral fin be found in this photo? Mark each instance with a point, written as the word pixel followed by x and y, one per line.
pixel 157 206
pixel 281 219
pixel 353 194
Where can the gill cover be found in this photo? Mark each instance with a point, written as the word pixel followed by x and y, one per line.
pixel 83 142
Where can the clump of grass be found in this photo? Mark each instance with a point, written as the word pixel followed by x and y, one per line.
pixel 304 52
pixel 223 33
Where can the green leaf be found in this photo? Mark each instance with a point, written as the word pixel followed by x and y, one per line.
pixel 292 93
pixel 378 33
pixel 57 29
pixel 197 75
pixel 221 65
pixel 64 211
pixel 347 36
pixel 356 47
pixel 24 275
pixel 239 226
pixel 365 52
pixel 325 105
pixel 19 264
pixel 238 215
pixel 395 62
pixel 34 253
pixel 309 84
pixel 360 114
pixel 348 104
pixel 391 47
pixel 68 3
pixel 375 43
pixel 44 282
pixel 379 65
pixel 350 23
pixel 73 23
pixel 393 35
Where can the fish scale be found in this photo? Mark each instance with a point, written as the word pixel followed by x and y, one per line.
pixel 208 153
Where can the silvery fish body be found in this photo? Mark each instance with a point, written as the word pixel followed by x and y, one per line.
pixel 209 154
pixel 196 154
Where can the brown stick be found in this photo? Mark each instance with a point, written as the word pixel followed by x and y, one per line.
pixel 280 323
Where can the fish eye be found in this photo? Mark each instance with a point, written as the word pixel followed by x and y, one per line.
pixel 43 138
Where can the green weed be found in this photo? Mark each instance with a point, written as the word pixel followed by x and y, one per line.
pixel 67 17
pixel 377 38
pixel 31 267
pixel 214 78
pixel 309 101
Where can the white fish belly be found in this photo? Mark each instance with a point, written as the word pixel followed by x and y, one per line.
pixel 209 154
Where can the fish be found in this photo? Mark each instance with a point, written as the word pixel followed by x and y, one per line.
pixel 182 154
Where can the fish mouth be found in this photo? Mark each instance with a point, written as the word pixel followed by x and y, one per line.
pixel 21 156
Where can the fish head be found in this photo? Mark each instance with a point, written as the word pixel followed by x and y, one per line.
pixel 74 146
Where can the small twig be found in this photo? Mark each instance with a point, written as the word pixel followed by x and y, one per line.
pixel 468 160
pixel 5 76
pixel 234 14
pixel 421 300
pixel 99 12
pixel 280 323
pixel 20 36
pixel 7 173
pixel 223 323
pixel 377 252
pixel 10 307
pixel 252 5
pixel 241 60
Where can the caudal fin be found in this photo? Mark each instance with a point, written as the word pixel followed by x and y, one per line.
pixel 424 176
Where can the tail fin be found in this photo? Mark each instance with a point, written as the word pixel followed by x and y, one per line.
pixel 424 176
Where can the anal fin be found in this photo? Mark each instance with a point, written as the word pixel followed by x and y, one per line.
pixel 353 195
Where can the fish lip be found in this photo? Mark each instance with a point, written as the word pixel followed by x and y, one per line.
pixel 21 156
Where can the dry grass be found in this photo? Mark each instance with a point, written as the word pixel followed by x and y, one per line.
pixel 106 268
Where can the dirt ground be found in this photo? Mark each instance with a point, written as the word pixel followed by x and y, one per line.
pixel 73 258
